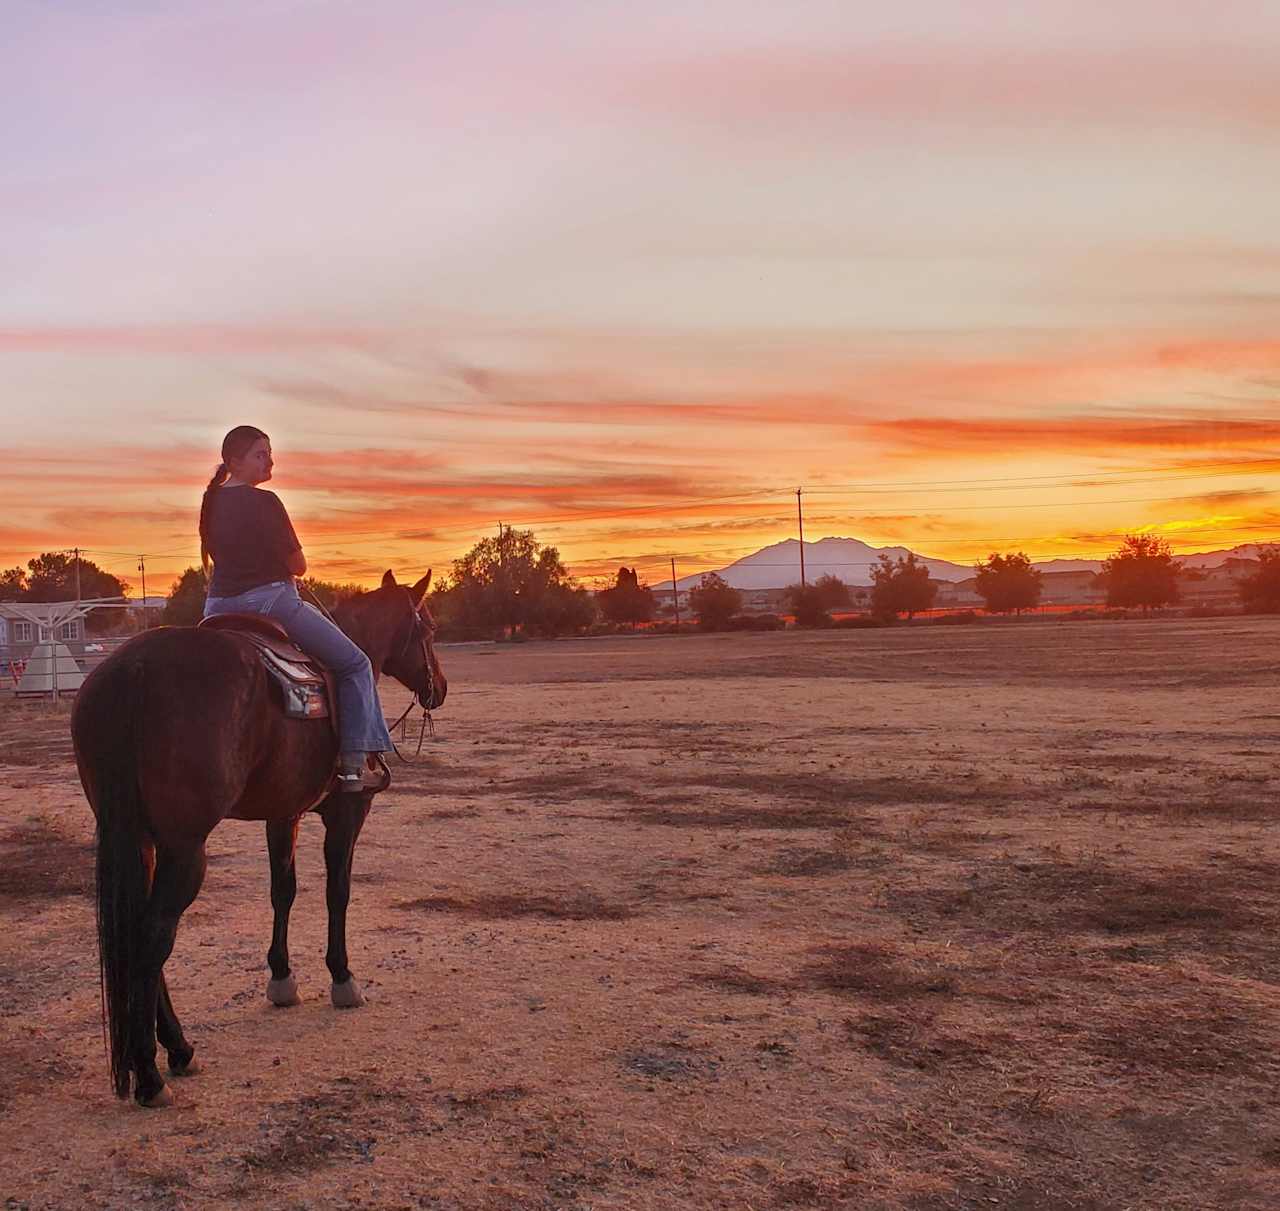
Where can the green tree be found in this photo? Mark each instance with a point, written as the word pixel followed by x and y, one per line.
pixel 185 604
pixel 901 586
pixel 812 603
pixel 1008 583
pixel 714 602
pixel 1260 590
pixel 627 600
pixel 52 577
pixel 566 610
pixel 511 582
pixel 13 584
pixel 1142 573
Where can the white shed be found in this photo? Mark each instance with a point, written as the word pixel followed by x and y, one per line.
pixel 50 669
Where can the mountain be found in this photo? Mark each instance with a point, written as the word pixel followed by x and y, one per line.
pixel 851 559
pixel 1215 559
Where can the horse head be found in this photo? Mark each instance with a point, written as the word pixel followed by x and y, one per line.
pixel 398 615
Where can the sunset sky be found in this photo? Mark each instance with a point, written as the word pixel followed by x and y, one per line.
pixel 977 275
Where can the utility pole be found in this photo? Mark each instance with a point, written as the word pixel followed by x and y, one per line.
pixel 502 583
pixel 77 550
pixel 142 567
pixel 675 592
pixel 800 519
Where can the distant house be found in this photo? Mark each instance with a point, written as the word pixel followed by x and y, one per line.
pixel 957 593
pixel 1072 588
pixel 763 601
pixel 23 624
pixel 1218 586
pixel 1056 588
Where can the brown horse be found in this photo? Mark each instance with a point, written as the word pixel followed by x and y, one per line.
pixel 179 730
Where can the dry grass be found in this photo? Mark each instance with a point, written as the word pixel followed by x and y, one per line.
pixel 897 920
pixel 878 972
pixel 40 861
pixel 569 906
pixel 338 1127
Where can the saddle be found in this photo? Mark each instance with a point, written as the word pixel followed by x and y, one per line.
pixel 307 686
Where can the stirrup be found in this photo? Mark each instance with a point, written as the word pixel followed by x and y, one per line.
pixel 355 782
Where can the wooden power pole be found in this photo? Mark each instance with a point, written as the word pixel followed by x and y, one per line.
pixel 800 519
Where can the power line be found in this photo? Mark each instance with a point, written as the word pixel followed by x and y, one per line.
pixel 1204 470
pixel 747 497
pixel 1189 535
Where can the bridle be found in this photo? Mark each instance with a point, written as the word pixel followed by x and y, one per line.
pixel 420 630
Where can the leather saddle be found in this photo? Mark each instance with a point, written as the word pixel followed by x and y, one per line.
pixel 307 686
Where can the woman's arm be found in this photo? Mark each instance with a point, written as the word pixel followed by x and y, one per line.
pixel 296 562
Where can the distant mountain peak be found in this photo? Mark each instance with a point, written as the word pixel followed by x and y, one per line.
pixel 851 559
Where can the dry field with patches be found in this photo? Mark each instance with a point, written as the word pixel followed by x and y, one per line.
pixel 919 919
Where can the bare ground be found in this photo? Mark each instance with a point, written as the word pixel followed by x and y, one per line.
pixel 920 919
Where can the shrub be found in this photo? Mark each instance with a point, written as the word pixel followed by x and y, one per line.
pixel 755 622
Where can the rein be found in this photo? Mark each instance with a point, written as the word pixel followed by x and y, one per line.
pixel 417 630
pixel 315 601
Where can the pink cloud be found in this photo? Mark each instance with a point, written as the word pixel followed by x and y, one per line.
pixel 1007 87
pixel 195 338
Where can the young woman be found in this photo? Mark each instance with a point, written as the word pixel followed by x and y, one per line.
pixel 256 555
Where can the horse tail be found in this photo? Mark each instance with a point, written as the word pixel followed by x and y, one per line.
pixel 122 877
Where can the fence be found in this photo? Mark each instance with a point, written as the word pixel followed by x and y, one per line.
pixel 41 665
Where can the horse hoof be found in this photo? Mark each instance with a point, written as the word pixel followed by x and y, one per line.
pixel 158 1101
pixel 283 993
pixel 346 996
pixel 190 1068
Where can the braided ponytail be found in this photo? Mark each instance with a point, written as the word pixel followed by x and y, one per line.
pixel 235 445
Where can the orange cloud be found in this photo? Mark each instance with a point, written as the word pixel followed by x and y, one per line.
pixel 619 408
pixel 954 437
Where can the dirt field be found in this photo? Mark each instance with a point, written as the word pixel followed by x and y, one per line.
pixel 929 918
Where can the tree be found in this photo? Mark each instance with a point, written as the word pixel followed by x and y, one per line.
pixel 185 604
pixel 714 602
pixel 1260 590
pixel 330 593
pixel 512 582
pixel 628 600
pixel 13 584
pixel 52 577
pixel 812 603
pixel 900 586
pixel 566 610
pixel 1142 573
pixel 1008 583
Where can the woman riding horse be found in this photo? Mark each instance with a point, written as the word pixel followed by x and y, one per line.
pixel 182 728
pixel 256 556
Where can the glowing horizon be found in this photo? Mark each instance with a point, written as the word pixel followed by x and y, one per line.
pixel 977 279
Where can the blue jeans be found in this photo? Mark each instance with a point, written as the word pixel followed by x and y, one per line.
pixel 361 727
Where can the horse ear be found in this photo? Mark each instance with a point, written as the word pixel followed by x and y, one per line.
pixel 419 590
pixel 388 579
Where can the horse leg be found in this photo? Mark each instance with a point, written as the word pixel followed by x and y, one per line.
pixel 282 842
pixel 168 1028
pixel 169 1033
pixel 178 875
pixel 344 816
